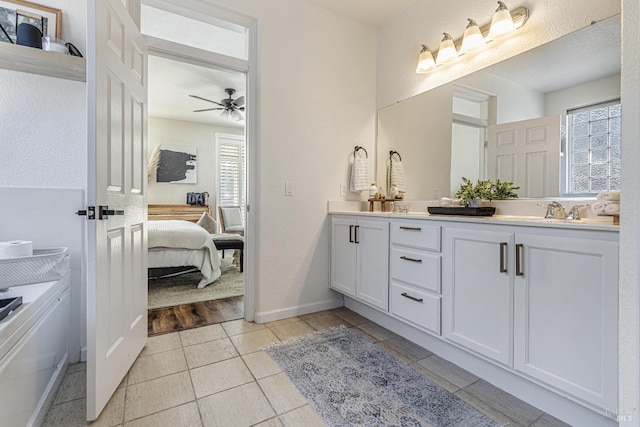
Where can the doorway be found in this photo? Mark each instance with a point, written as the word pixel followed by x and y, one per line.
pixel 190 84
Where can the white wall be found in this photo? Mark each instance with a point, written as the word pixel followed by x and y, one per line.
pixel 317 101
pixel 593 92
pixel 628 294
pixel 177 133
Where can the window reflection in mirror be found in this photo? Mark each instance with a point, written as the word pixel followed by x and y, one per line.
pixel 441 139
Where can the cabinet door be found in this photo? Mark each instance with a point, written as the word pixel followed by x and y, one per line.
pixel 566 315
pixel 373 252
pixel 343 256
pixel 477 296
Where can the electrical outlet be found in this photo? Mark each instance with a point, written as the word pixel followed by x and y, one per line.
pixel 436 193
pixel 343 190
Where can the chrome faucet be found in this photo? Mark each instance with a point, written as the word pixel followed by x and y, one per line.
pixel 554 210
pixel 574 212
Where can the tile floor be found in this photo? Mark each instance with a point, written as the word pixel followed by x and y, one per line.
pixel 218 376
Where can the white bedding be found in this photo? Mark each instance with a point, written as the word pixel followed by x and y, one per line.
pixel 182 243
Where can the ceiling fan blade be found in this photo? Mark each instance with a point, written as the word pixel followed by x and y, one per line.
pixel 235 115
pixel 205 99
pixel 239 102
pixel 207 109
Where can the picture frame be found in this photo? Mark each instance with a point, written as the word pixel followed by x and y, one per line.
pixel 177 165
pixel 14 12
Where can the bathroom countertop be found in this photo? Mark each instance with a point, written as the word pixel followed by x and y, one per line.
pixel 594 224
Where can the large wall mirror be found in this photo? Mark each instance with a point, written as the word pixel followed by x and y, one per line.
pixel 471 126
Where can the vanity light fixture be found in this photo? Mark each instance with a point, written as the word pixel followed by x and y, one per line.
pixel 472 38
pixel 425 60
pixel 447 50
pixel 503 22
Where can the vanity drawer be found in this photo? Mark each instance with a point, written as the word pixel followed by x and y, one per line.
pixel 418 308
pixel 418 268
pixel 416 234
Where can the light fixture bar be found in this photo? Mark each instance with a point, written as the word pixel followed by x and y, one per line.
pixel 520 15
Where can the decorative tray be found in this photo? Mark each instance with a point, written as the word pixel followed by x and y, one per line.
pixel 482 211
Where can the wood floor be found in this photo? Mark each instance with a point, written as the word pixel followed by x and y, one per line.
pixel 180 317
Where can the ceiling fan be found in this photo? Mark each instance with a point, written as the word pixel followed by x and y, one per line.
pixel 230 107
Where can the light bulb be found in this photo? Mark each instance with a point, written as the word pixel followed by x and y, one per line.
pixel 425 60
pixel 502 22
pixel 472 38
pixel 447 50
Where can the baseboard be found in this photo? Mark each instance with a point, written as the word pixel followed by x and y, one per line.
pixel 298 310
pixel 83 353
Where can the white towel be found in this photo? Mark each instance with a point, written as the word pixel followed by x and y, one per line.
pixel 608 196
pixel 397 176
pixel 606 208
pixel 359 173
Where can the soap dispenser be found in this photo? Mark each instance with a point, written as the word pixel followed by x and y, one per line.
pixel 373 190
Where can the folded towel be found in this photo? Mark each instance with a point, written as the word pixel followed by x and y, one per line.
pixel 359 173
pixel 606 208
pixel 612 209
pixel 607 196
pixel 397 176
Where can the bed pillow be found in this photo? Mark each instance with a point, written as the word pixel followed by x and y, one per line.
pixel 207 222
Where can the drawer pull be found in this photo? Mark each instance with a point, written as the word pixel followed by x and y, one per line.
pixel 406 295
pixel 503 248
pixel 419 261
pixel 519 260
pixel 411 228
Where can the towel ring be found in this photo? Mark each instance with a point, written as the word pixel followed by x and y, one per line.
pixel 391 153
pixel 358 148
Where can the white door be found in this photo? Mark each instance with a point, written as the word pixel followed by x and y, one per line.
pixel 566 315
pixel 343 256
pixel 477 291
pixel 526 153
pixel 372 239
pixel 117 245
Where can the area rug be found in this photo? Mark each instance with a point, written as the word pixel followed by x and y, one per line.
pixel 352 382
pixel 181 289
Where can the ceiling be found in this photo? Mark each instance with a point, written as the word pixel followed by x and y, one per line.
pixel 371 12
pixel 171 83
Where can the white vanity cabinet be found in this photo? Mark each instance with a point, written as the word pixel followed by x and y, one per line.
pixel 415 273
pixel 530 306
pixel 566 305
pixel 542 302
pixel 478 291
pixel 360 259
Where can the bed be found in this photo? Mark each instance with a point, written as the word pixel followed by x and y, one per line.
pixel 175 241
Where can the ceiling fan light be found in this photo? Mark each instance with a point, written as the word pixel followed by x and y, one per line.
pixel 502 22
pixel 425 60
pixel 235 115
pixel 447 50
pixel 472 38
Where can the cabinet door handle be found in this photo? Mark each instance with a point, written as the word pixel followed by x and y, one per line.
pixel 406 295
pixel 503 249
pixel 519 260
pixel 351 234
pixel 411 228
pixel 406 258
pixel 357 234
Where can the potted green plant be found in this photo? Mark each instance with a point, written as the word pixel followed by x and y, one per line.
pixel 471 194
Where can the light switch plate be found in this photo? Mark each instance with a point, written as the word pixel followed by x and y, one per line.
pixel 343 190
pixel 288 188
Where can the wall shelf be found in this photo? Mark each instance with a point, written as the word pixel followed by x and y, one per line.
pixel 37 61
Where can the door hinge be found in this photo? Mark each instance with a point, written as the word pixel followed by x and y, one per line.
pixel 90 212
